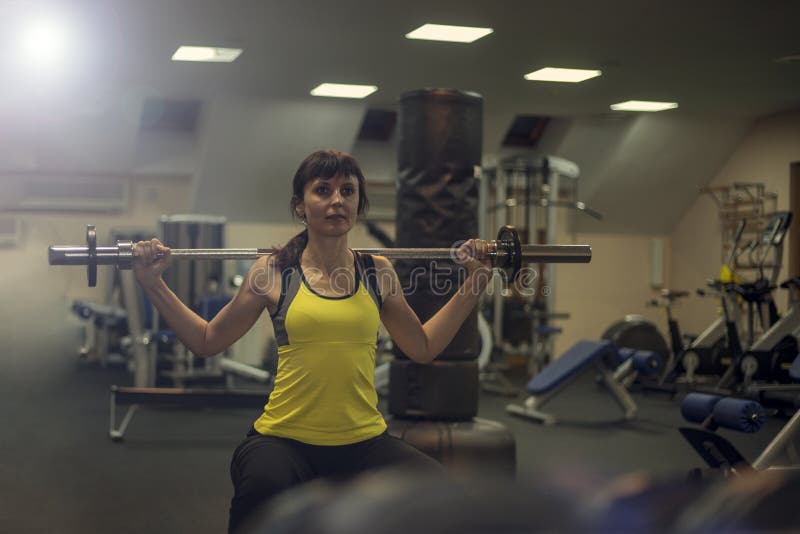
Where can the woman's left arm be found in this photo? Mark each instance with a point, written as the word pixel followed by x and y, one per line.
pixel 422 343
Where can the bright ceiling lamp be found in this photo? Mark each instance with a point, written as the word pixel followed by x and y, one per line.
pixel 643 105
pixel 44 45
pixel 452 34
pixel 554 74
pixel 206 53
pixel 341 90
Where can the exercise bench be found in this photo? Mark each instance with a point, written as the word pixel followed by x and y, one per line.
pixel 181 397
pixel 614 366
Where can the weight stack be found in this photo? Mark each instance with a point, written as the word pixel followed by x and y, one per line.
pixel 440 147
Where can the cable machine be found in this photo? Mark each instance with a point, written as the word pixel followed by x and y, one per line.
pixel 528 192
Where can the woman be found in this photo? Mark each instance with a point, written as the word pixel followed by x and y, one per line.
pixel 322 417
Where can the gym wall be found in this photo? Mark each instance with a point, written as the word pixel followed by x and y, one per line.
pixel 251 148
pixel 35 317
pixel 615 284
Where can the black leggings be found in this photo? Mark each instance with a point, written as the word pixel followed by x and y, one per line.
pixel 263 466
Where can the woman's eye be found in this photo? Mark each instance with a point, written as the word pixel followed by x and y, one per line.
pixel 321 190
pixel 347 191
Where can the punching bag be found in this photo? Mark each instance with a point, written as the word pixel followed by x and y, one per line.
pixel 440 146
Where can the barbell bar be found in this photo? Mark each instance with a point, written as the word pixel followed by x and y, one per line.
pixel 506 253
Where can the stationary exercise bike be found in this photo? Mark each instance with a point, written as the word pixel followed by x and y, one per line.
pixel 678 346
pixel 689 361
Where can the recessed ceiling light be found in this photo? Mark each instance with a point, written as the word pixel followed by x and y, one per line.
pixel 206 53
pixel 44 44
pixel 452 34
pixel 643 105
pixel 554 74
pixel 342 90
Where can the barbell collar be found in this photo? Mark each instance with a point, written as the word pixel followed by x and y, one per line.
pixel 91 263
pixel 125 254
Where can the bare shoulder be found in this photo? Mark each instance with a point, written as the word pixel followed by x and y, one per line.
pixel 264 279
pixel 382 262
pixel 384 268
pixel 388 282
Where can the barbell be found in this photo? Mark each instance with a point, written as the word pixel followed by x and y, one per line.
pixel 506 253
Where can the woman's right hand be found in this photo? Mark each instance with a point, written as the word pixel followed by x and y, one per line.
pixel 150 259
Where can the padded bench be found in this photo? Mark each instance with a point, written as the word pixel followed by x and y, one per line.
pixel 162 397
pixel 615 366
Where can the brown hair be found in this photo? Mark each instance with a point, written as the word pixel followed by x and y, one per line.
pixel 323 164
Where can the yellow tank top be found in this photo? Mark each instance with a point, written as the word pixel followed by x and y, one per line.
pixel 324 388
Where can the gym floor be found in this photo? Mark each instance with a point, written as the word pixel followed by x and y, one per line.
pixel 61 473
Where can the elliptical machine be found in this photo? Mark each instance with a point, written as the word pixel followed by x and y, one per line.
pixel 770 356
pixel 705 354
pixel 769 352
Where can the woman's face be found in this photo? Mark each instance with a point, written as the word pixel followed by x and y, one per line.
pixel 330 205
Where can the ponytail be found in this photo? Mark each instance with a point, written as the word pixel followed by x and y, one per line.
pixel 289 254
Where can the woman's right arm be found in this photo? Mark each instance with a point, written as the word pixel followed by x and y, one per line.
pixel 205 338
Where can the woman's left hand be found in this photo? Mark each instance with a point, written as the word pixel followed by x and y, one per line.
pixel 473 254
